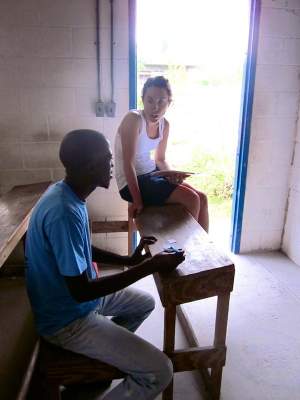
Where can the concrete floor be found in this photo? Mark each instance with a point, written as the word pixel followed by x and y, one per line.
pixel 263 359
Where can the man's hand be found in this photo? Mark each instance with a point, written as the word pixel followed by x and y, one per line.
pixel 167 262
pixel 137 257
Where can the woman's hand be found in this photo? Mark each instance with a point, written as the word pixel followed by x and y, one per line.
pixel 173 176
pixel 176 178
pixel 134 209
pixel 137 257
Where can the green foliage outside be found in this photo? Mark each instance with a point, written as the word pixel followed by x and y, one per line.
pixel 215 177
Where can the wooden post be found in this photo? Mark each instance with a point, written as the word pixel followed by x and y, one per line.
pixel 219 340
pixel 131 230
pixel 169 342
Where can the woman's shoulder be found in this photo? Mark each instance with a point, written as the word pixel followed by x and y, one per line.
pixel 132 120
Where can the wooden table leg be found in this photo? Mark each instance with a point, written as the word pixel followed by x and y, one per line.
pixel 219 340
pixel 131 230
pixel 169 342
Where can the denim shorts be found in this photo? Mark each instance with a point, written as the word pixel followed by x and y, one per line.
pixel 155 190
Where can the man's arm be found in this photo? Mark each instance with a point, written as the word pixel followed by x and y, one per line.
pixel 107 257
pixel 83 289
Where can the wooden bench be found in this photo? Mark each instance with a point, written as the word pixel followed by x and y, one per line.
pixel 18 337
pixel 206 272
pixel 56 367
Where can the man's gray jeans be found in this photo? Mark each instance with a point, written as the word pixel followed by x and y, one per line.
pixel 112 341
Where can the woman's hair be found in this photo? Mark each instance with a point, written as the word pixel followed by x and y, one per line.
pixel 160 82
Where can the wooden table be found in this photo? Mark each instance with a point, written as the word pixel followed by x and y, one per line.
pixel 206 272
pixel 20 347
pixel 15 209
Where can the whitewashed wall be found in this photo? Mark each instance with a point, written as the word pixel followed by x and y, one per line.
pixel 48 86
pixel 291 239
pixel 273 128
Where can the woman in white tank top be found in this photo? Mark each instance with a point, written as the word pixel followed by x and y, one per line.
pixel 143 180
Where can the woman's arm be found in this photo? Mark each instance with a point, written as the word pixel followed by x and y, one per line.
pixel 175 177
pixel 160 154
pixel 129 131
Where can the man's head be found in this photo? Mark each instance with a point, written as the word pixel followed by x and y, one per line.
pixel 87 157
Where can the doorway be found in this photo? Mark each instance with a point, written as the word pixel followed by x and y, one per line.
pixel 201 48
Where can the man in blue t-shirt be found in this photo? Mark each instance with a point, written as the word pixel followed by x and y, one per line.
pixel 71 305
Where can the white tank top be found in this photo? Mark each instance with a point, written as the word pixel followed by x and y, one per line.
pixel 145 146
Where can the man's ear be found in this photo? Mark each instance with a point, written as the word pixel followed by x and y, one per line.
pixel 91 167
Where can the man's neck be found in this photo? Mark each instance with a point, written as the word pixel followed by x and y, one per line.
pixel 80 189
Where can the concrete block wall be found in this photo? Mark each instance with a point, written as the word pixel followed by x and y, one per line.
pixel 48 86
pixel 291 239
pixel 273 127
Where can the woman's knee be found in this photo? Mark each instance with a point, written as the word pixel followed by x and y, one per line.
pixel 192 202
pixel 203 199
pixel 188 198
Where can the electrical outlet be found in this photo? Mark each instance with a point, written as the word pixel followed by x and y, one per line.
pixel 110 108
pixel 100 109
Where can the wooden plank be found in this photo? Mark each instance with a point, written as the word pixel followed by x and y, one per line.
pixel 169 332
pixel 219 340
pixel 174 222
pixel 179 290
pixel 169 343
pixel 15 209
pixel 198 357
pixel 66 367
pixel 22 395
pixel 109 226
pixel 221 319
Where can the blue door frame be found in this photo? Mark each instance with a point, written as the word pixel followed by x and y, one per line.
pixel 245 113
pixel 244 128
pixel 132 70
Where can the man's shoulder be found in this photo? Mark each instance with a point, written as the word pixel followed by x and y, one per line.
pixel 58 203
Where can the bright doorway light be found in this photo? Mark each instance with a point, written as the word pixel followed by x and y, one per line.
pixel 201 47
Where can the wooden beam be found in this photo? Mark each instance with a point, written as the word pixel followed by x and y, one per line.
pixel 196 358
pixel 169 342
pixel 109 226
pixel 22 395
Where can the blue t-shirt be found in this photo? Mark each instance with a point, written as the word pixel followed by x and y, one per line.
pixel 57 245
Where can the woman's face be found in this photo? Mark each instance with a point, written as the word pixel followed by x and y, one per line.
pixel 156 101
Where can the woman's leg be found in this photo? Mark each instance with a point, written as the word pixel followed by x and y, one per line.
pixel 188 198
pixel 194 201
pixel 203 217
